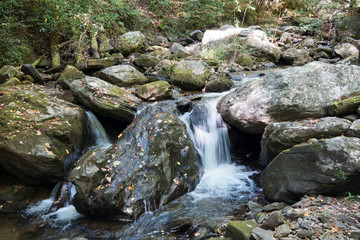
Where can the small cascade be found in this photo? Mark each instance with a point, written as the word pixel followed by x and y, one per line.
pixel 97 131
pixel 221 178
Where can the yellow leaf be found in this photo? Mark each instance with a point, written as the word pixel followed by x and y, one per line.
pixel 178 163
pixel 74 28
pixel 67 151
pixel 120 135
pixel 45 20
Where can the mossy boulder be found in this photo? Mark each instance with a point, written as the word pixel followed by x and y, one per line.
pixel 244 59
pixel 105 99
pixel 38 133
pixel 345 106
pixel 240 230
pixel 131 42
pixel 101 62
pixel 11 82
pixel 190 75
pixel 147 60
pixel 284 135
pixel 329 166
pixel 122 76
pixel 8 71
pixel 69 74
pixel 154 91
pixel 219 84
pixel 288 94
pixel 153 162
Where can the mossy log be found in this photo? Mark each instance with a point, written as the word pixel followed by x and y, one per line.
pixel 94 46
pixel 55 50
pixel 345 106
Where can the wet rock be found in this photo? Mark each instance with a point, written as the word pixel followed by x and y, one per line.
pixel 345 50
pixel 275 219
pixel 327 166
pixel 190 75
pixel 240 229
pixel 293 55
pixel 284 95
pixel 105 98
pixel 30 70
pixel 122 76
pixel 154 91
pixel 274 206
pixel 196 35
pixel 304 234
pixel 39 133
pixel 179 50
pixel 219 84
pixel 282 231
pixel 146 60
pixel 69 74
pixel 179 225
pixel 158 165
pixel 262 234
pixel 130 42
pixel 284 135
pixel 8 71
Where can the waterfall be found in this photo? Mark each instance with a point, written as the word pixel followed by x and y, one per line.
pixel 221 178
pixel 97 131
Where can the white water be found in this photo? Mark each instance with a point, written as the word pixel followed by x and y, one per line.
pixel 97 131
pixel 221 178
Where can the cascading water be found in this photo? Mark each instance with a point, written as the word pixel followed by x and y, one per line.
pixel 221 178
pixel 58 208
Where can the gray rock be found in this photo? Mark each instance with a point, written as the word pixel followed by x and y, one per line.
pixel 154 91
pixel 7 72
pixel 179 50
pixel 345 50
pixel 240 230
pixel 293 55
pixel 304 234
pixel 254 207
pixel 147 60
pixel 275 219
pixel 105 99
pixel 282 231
pixel 327 166
pixel 116 183
pixel 260 217
pixel 355 234
pixel 218 84
pixel 131 42
pixel 307 43
pixel 274 206
pixel 196 35
pixel 284 135
pixel 122 76
pixel 261 234
pixel 284 95
pixel 69 74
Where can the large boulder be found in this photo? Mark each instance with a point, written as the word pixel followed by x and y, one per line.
pixel 38 133
pixel 8 71
pixel 104 98
pixel 284 135
pixel 131 42
pixel 154 91
pixel 69 74
pixel 288 94
pixel 190 75
pixel 327 166
pixel 153 162
pixel 263 49
pixel 122 76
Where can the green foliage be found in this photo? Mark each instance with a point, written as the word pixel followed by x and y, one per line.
pixel 341 175
pixel 350 196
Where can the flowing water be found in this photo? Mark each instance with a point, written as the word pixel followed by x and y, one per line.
pixel 223 188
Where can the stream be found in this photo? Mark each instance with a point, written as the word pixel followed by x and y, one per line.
pixel 223 188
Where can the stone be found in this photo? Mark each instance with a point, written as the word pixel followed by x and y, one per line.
pixel 345 106
pixel 284 135
pixel 244 59
pixel 354 130
pixel 154 91
pixel 218 84
pixel 307 43
pixel 254 207
pixel 263 48
pixel 179 224
pixel 262 234
pixel 131 42
pixel 11 82
pixel 105 99
pixel 282 231
pixel 147 60
pixel 196 35
pixel 275 219
pixel 327 167
pixel 30 70
pixel 304 234
pixel 122 76
pixel 355 234
pixel 190 75
pixel 274 206
pixel 293 55
pixel 240 230
pixel 179 50
pixel 41 133
pixel 159 164
pixel 69 74
pixel 104 44
pixel 345 50
pixel 260 217
pixel 8 71
pixel 287 95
